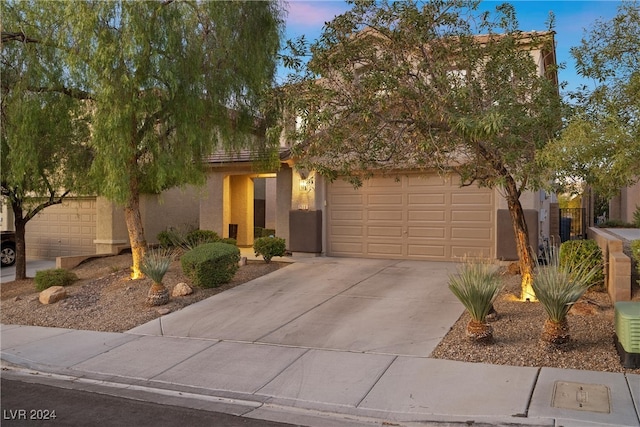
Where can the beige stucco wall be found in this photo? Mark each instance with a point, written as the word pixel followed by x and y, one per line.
pixel 176 207
pixel 623 206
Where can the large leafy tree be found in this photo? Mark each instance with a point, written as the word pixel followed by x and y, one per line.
pixel 44 132
pixel 600 144
pixel 405 85
pixel 168 82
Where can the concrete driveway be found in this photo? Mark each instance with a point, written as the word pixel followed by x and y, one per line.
pixel 358 305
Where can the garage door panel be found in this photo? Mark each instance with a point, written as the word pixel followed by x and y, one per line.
pixel 347 199
pixel 428 251
pixel 471 216
pixel 431 232
pixel 468 198
pixel 348 248
pixel 384 231
pixel 345 230
pixel 345 215
pixel 382 184
pixel 385 199
pixel 427 199
pixel 428 181
pixel 471 233
pixel 419 217
pixel 384 249
pixel 384 215
pixel 427 215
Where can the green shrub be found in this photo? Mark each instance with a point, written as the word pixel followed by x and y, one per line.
pixel 229 241
pixel 257 232
pixel 269 247
pixel 636 217
pixel 54 277
pixel 164 238
pixel 583 254
pixel 200 237
pixel 211 264
pixel 635 252
pixel 186 240
pixel 615 223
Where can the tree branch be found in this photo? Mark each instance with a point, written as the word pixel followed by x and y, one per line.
pixel 71 92
pixel 8 36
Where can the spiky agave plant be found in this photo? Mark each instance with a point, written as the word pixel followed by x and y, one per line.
pixel 476 286
pixel 558 287
pixel 155 265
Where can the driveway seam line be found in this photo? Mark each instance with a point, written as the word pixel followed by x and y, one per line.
pixel 257 391
pixel 376 381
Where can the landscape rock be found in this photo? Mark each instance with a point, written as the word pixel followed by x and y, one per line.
pixel 52 295
pixel 181 289
pixel 163 311
pixel 243 261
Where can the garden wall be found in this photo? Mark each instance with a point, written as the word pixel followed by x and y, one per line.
pixel 617 265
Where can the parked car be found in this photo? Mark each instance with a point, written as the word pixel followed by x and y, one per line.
pixel 8 248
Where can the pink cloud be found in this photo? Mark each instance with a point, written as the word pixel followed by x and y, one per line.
pixel 315 13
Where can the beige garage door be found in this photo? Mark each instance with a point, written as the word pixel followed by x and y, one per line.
pixel 61 230
pixel 412 217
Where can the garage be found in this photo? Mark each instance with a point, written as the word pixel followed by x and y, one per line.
pixel 421 217
pixel 65 229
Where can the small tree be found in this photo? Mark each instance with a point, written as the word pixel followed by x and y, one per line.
pixel 269 247
pixel 600 143
pixel 168 82
pixel 410 85
pixel 44 130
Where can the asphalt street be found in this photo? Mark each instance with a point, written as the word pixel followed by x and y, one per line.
pixel 28 404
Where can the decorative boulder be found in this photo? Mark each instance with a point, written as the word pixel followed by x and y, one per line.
pixel 52 295
pixel 181 289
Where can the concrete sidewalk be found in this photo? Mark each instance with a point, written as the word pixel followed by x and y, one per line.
pixel 324 342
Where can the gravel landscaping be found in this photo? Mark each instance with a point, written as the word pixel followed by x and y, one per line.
pixel 105 299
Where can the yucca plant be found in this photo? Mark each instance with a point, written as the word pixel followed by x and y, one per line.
pixel 476 286
pixel 558 287
pixel 155 265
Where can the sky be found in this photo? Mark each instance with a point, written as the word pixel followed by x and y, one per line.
pixel 571 19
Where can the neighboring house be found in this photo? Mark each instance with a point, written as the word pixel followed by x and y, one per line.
pixel 624 205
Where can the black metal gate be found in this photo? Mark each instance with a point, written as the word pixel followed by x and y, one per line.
pixel 573 225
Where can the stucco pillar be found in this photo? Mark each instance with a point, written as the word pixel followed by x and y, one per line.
pixel 212 204
pixel 284 186
pixel 111 229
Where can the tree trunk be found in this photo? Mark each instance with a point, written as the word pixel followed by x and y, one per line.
pixel 556 332
pixel 133 220
pixel 21 247
pixel 158 295
pixel 480 332
pixel 523 245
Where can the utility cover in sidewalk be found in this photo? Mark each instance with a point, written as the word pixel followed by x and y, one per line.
pixel 581 397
